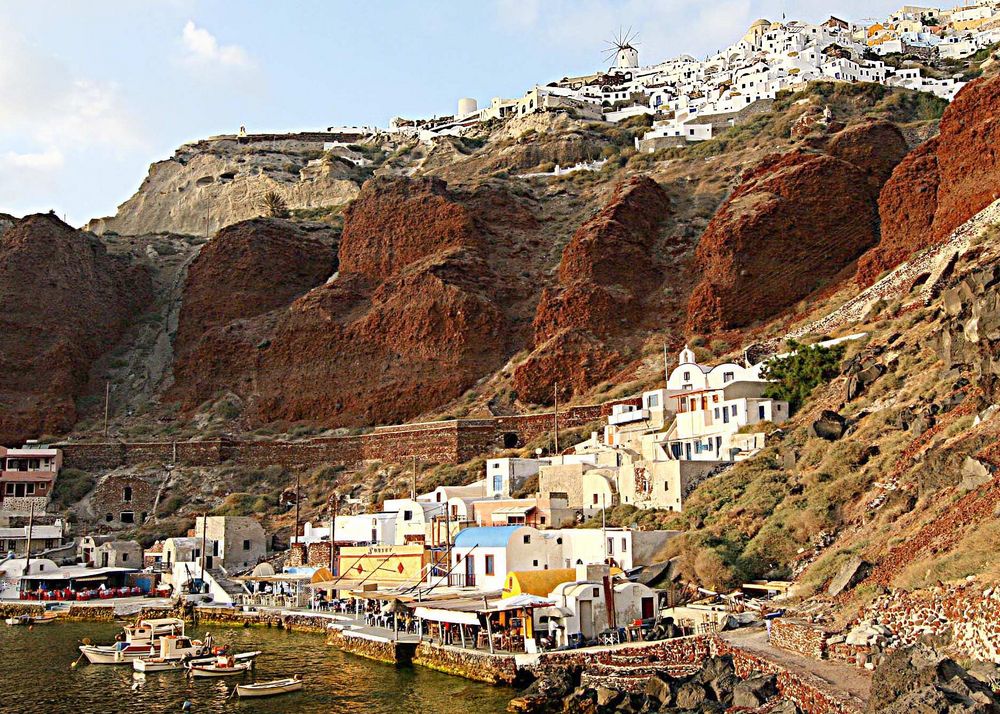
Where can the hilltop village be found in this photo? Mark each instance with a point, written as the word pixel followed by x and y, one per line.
pixel 669 387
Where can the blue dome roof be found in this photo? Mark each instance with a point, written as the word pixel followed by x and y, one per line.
pixel 486 537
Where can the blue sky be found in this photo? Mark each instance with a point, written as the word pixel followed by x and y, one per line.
pixel 92 92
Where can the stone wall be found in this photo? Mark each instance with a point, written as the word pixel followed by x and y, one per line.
pixel 967 614
pixel 95 613
pixel 454 441
pixel 15 609
pixel 379 650
pixel 800 637
pixel 471 664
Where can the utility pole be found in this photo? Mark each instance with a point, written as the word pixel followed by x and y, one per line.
pixel 27 549
pixel 297 499
pixel 604 527
pixel 333 533
pixel 413 486
pixel 666 370
pixel 107 406
pixel 555 413
pixel 204 545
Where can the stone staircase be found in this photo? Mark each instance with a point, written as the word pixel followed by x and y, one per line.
pixel 230 586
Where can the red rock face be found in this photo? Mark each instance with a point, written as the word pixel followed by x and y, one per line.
pixel 248 270
pixel 63 303
pixel 796 220
pixel 943 183
pixel 906 206
pixel 968 156
pixel 606 271
pixel 415 317
pixel 875 147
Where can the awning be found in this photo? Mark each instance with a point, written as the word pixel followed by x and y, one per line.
pixel 456 617
pixel 91 579
pixel 513 511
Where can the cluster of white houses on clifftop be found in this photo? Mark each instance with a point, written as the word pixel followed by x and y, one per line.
pixel 691 99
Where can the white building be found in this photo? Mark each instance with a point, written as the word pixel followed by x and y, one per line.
pixel 505 476
pixel 482 557
pixel 357 529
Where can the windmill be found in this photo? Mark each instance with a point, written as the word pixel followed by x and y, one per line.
pixel 622 49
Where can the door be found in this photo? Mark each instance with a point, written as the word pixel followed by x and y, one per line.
pixel 687 450
pixel 470 570
pixel 587 619
pixel 647 608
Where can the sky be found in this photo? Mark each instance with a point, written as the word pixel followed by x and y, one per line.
pixel 93 92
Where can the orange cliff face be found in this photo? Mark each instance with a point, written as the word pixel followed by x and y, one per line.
pixel 64 301
pixel 943 182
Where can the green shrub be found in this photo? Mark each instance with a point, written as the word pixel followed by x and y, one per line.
pixel 794 377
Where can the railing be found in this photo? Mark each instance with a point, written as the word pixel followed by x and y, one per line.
pixel 462 580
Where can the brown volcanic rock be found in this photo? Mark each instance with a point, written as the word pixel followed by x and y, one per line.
pixel 248 270
pixel 64 301
pixel 906 206
pixel 606 271
pixel 414 317
pixel 796 220
pixel 875 147
pixel 943 183
pixel 395 222
pixel 968 156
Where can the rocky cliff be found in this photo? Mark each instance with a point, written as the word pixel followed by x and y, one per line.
pixel 943 183
pixel 606 272
pixel 415 316
pixel 210 184
pixel 247 271
pixel 795 221
pixel 64 301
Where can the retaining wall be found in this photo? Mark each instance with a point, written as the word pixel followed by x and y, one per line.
pixel 471 664
pixel 454 441
pixel 379 650
pixel 799 637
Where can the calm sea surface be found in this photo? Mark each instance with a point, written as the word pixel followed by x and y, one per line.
pixel 36 678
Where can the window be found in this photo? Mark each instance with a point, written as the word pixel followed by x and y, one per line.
pixel 559 540
pixel 666 485
pixel 10 489
pixel 542 520
pixel 760 411
pixel 534 563
pixel 124 557
pixel 489 565
pixel 716 412
pixel 595 499
pixel 597 592
pixel 126 517
pixel 687 376
pixel 624 545
pixel 732 409
pixel 127 494
pixel 407 515
pixel 29 489
pixel 497 482
pixel 246 545
pixel 527 539
pixel 727 377
pixel 653 401
pixel 109 517
pixel 611 546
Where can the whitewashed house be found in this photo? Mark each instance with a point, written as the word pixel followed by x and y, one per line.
pixel 482 557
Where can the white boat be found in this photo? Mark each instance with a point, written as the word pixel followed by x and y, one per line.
pixel 138 641
pixel 32 619
pixel 269 689
pixel 221 667
pixel 118 653
pixel 174 651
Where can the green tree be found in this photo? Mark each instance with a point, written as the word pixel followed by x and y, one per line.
pixel 793 378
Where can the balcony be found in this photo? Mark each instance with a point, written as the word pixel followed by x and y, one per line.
pixel 628 417
pixel 462 580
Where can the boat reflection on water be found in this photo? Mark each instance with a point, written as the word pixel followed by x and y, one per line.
pixel 35 672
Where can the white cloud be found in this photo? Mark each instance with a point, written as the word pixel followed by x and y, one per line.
pixel 49 160
pixel 203 48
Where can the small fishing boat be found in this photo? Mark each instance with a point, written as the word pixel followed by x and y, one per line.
pixel 225 666
pixel 270 689
pixel 32 619
pixel 174 651
pixel 136 641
